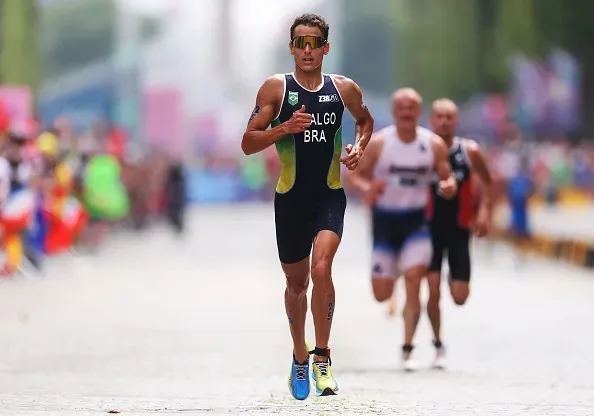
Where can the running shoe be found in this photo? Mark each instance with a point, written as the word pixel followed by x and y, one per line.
pixel 322 376
pixel 408 364
pixel 299 384
pixel 439 363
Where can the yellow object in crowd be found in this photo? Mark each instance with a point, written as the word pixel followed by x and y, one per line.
pixel 13 247
pixel 47 144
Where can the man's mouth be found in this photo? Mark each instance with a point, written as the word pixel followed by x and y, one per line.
pixel 308 59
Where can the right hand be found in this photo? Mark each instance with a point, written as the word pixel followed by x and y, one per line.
pixel 376 188
pixel 299 121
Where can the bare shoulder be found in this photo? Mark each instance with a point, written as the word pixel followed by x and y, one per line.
pixel 273 85
pixel 437 142
pixel 472 147
pixel 345 85
pixel 341 79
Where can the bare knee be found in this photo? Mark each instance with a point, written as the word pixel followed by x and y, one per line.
pixel 297 278
pixel 381 296
pixel 460 291
pixel 413 279
pixel 321 271
pixel 460 299
pixel 434 283
pixel 297 285
pixel 383 288
pixel 434 299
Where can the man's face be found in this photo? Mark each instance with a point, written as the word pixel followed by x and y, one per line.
pixel 407 111
pixel 444 121
pixel 308 57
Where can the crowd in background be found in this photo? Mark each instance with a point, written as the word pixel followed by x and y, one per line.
pixel 555 167
pixel 65 189
pixel 62 190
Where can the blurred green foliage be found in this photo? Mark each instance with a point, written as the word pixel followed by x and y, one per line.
pixel 76 34
pixel 19 47
pixel 455 48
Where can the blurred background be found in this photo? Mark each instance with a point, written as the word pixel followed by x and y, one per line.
pixel 168 83
pixel 117 116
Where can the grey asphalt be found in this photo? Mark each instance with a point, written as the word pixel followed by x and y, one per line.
pixel 154 325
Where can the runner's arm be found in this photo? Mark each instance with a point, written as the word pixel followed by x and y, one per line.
pixel 481 169
pixel 352 98
pixel 257 136
pixel 361 178
pixel 442 164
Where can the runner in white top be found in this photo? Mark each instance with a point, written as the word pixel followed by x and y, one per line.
pixel 394 176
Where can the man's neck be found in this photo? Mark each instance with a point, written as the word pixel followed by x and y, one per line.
pixel 449 140
pixel 407 135
pixel 309 80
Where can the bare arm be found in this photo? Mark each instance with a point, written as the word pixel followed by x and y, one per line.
pixel 480 167
pixel 361 177
pixel 257 136
pixel 442 164
pixel 447 183
pixel 353 100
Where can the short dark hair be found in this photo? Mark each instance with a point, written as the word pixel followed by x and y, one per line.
pixel 311 20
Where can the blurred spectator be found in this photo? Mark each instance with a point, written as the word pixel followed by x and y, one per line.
pixel 175 196
pixel 520 189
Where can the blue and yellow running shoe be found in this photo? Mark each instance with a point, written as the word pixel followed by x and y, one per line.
pixel 299 384
pixel 322 376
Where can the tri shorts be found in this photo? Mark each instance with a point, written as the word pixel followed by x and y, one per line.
pixel 453 241
pixel 401 240
pixel 299 220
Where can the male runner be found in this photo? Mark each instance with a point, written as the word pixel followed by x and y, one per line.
pixel 394 176
pixel 451 220
pixel 305 111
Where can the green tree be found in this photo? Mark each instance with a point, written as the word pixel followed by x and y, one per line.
pixel 19 52
pixel 436 47
pixel 76 34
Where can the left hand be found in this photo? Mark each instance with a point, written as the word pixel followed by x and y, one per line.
pixel 448 188
pixel 481 225
pixel 351 160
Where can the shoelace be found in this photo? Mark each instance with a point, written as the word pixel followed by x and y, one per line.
pixel 323 367
pixel 300 371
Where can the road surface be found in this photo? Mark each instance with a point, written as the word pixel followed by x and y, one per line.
pixel 158 326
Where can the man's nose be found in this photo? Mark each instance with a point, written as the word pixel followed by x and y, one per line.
pixel 308 47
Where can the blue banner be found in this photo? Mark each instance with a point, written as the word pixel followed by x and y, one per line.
pixel 83 106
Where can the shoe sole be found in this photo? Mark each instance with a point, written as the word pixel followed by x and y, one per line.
pixel 327 392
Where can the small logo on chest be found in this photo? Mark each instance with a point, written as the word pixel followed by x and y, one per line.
pixel 293 98
pixel 333 98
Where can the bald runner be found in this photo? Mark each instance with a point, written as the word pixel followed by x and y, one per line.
pixel 452 220
pixel 393 177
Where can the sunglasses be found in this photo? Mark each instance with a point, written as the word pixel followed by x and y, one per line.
pixel 315 42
